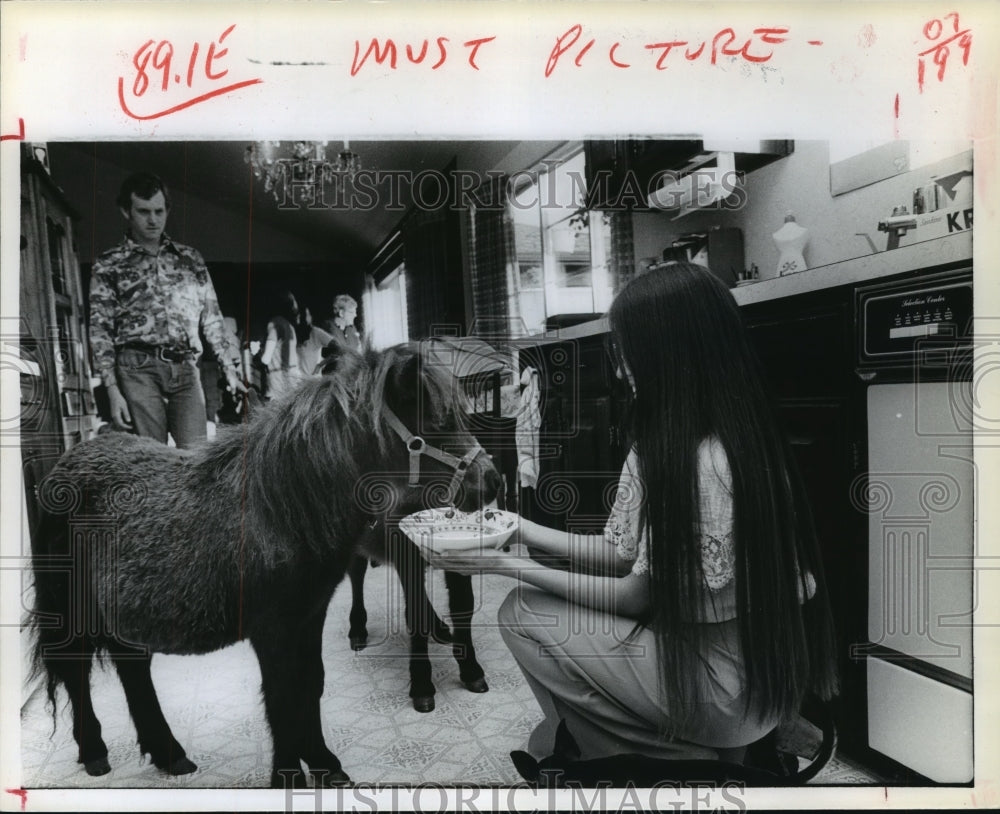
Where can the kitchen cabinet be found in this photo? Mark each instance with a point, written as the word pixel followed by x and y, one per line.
pixel 619 172
pixel 622 173
pixel 804 345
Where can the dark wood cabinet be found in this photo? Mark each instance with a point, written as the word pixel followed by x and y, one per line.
pixel 619 173
pixel 581 443
pixel 806 348
pixel 622 172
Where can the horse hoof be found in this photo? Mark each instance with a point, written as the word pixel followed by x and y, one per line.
pixel 476 685
pixel 423 703
pixel 98 766
pixel 181 766
pixel 358 642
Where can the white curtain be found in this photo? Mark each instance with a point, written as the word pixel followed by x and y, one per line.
pixel 385 309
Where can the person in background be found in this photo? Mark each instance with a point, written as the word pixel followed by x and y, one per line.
pixel 311 341
pixel 235 406
pixel 150 297
pixel 234 344
pixel 341 326
pixel 698 620
pixel 280 356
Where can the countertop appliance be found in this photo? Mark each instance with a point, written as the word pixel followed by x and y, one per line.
pixel 915 356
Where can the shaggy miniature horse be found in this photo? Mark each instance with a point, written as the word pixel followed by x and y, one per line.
pixel 145 548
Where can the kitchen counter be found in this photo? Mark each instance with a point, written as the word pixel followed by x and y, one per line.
pixel 954 248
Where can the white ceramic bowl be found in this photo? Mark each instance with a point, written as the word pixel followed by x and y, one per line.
pixel 441 530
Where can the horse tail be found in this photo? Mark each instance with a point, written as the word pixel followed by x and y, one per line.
pixel 51 598
pixel 58 643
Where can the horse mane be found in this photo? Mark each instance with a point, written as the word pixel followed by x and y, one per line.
pixel 388 372
pixel 392 376
pixel 297 465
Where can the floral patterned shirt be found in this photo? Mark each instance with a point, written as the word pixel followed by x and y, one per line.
pixel 161 299
pixel 715 527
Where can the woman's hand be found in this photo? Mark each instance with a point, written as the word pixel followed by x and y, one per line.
pixel 475 561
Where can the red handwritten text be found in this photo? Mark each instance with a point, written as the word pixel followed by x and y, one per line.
pixel 22 793
pixel 939 52
pixel 161 71
pixel 756 48
pixel 18 136
pixel 389 53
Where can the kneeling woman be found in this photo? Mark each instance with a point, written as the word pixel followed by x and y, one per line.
pixel 698 620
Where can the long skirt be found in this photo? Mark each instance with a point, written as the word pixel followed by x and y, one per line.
pixel 599 673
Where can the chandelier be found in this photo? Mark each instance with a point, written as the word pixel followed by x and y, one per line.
pixel 297 170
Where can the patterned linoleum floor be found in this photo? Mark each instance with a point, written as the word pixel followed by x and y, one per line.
pixel 214 706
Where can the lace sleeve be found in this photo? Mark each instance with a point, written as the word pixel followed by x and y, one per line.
pixel 717 559
pixel 715 517
pixel 718 555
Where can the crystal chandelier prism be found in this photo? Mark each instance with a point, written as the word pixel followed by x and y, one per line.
pixel 297 170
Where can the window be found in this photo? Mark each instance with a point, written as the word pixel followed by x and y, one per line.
pixel 384 306
pixel 563 249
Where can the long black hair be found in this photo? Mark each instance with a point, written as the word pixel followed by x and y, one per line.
pixel 285 321
pixel 679 337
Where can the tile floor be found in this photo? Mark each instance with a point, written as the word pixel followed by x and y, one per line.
pixel 213 704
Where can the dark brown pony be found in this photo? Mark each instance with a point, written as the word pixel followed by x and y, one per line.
pixel 145 548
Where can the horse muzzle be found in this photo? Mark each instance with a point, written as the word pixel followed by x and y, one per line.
pixel 480 486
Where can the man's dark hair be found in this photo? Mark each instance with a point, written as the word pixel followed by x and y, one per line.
pixel 143 185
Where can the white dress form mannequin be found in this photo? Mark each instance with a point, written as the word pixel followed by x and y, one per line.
pixel 791 239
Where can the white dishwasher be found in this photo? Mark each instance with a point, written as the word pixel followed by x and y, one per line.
pixel 919 494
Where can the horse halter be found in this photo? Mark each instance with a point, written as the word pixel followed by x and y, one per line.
pixel 417 447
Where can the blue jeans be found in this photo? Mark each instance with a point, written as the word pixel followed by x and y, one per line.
pixel 162 397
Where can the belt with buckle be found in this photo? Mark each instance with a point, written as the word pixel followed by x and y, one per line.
pixel 166 354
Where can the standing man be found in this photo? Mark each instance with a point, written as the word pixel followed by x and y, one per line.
pixel 345 311
pixel 149 296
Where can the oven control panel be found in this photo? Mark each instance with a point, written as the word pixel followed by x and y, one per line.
pixel 893 322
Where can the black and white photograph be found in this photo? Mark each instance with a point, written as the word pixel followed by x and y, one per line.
pixel 365 465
